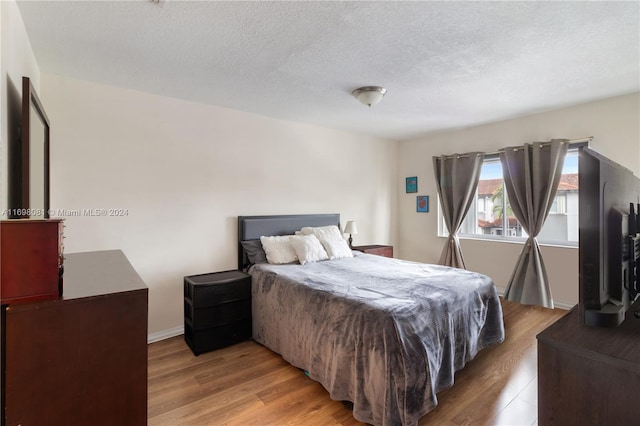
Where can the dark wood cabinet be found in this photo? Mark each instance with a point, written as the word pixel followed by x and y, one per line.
pixel 380 250
pixel 217 310
pixel 80 359
pixel 588 375
pixel 31 263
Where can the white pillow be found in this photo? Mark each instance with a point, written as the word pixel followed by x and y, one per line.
pixel 323 232
pixel 308 248
pixel 278 249
pixel 337 249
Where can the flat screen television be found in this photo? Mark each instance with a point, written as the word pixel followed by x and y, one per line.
pixel 609 239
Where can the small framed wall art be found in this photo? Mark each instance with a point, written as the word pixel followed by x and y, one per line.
pixel 422 204
pixel 412 184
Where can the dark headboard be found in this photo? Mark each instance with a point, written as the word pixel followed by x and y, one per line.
pixel 253 227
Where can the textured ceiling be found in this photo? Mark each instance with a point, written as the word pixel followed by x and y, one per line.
pixel 445 64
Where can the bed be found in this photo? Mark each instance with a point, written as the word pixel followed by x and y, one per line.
pixel 384 334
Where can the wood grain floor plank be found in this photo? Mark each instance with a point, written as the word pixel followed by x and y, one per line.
pixel 247 384
pixel 220 393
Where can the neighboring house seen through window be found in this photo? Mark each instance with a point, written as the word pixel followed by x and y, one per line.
pixel 490 216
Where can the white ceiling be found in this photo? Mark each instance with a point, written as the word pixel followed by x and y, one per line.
pixel 445 64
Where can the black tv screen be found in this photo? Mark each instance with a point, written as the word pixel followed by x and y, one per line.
pixel 608 238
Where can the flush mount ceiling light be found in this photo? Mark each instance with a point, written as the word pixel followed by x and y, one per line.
pixel 369 95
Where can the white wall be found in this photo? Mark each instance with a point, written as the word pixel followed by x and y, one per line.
pixel 16 60
pixel 185 171
pixel 615 126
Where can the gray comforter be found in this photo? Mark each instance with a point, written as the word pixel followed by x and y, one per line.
pixel 383 333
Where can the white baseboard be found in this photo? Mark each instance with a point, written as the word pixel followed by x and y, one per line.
pixel 563 305
pixel 165 334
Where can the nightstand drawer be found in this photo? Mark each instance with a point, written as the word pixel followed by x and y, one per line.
pixel 212 289
pixel 216 337
pixel 223 313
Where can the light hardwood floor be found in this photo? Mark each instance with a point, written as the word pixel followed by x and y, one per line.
pixel 247 384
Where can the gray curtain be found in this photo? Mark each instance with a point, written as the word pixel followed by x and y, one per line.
pixel 531 177
pixel 457 180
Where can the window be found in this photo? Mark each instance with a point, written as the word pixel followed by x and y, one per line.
pixel 559 205
pixel 490 215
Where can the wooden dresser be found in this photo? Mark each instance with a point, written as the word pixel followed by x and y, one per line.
pixel 80 359
pixel 31 259
pixel 589 375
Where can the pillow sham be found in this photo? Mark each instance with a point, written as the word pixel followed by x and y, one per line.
pixel 337 249
pixel 308 249
pixel 254 251
pixel 331 239
pixel 323 232
pixel 278 249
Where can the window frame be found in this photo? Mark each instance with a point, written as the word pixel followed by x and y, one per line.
pixel 443 231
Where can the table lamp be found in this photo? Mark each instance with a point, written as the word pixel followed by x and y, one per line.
pixel 351 229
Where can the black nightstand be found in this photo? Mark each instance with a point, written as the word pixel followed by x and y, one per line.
pixel 217 310
pixel 380 250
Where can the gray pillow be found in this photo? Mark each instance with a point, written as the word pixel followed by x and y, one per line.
pixel 254 251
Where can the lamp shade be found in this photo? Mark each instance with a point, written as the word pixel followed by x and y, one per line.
pixel 369 95
pixel 351 228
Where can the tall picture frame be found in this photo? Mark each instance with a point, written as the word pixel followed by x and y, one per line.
pixel 29 181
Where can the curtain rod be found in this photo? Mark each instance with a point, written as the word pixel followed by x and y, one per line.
pixel 497 153
pixel 570 142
